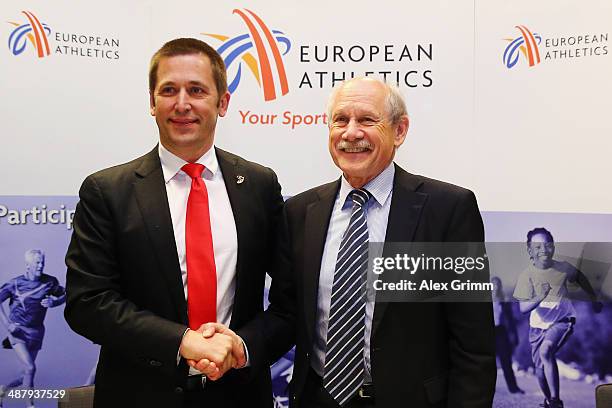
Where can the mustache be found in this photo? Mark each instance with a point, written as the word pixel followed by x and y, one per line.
pixel 359 144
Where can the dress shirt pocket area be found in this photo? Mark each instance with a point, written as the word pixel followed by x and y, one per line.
pixel 436 388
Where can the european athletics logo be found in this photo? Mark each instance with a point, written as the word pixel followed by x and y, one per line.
pixel 527 43
pixel 268 68
pixel 34 31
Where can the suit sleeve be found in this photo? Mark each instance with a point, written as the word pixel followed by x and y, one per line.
pixel 472 338
pixel 262 334
pixel 272 332
pixel 281 315
pixel 95 306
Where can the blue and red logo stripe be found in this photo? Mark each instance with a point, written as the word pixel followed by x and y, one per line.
pixel 269 71
pixel 527 44
pixel 34 31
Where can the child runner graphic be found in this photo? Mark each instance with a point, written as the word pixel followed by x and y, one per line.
pixel 542 292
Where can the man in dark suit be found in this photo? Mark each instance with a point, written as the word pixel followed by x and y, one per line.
pixel 353 350
pixel 176 238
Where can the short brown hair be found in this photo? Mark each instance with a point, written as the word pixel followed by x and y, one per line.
pixel 189 46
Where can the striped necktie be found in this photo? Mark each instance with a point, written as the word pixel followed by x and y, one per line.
pixel 344 367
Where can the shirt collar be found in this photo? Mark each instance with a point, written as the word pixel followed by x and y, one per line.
pixel 171 164
pixel 380 187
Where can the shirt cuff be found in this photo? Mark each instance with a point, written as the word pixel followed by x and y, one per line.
pixel 246 354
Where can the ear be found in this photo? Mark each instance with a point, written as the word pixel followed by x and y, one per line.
pixel 401 131
pixel 224 103
pixel 151 103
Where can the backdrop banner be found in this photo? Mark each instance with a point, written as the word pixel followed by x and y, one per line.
pixel 508 99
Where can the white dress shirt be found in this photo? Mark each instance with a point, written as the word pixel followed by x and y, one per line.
pixel 222 223
pixel 377 214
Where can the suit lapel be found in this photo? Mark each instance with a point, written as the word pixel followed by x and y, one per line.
pixel 152 200
pixel 404 215
pixel 318 214
pixel 238 190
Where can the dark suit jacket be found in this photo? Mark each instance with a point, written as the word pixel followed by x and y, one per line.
pixel 422 354
pixel 124 287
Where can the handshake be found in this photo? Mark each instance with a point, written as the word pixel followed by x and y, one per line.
pixel 213 349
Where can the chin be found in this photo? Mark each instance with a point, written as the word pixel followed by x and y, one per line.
pixel 353 171
pixel 355 163
pixel 543 264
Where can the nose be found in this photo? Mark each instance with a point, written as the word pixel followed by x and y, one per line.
pixel 183 103
pixel 353 131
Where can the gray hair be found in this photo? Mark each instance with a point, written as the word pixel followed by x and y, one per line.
pixel 31 252
pixel 396 105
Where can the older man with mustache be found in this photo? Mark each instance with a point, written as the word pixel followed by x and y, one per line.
pixel 353 350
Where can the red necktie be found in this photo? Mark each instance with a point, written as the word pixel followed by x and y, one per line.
pixel 201 271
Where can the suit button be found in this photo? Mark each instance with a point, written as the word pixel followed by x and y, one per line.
pixel 307 355
pixel 178 390
pixel 155 363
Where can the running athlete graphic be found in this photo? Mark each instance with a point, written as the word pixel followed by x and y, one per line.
pixel 542 291
pixel 29 296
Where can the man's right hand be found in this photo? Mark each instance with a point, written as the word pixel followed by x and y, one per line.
pixel 238 351
pixel 216 350
pixel 239 360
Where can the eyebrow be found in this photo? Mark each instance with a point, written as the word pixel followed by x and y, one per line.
pixel 198 83
pixel 358 113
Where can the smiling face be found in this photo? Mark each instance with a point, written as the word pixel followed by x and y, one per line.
pixel 362 139
pixel 186 104
pixel 541 250
pixel 35 263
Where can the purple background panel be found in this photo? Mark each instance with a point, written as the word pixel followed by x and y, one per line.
pixel 66 359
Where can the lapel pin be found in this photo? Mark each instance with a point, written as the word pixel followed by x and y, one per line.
pixel 239 179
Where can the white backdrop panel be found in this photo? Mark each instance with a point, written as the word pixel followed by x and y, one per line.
pixel 68 115
pixel 543 133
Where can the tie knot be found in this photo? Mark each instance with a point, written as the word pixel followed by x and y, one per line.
pixel 360 196
pixel 194 170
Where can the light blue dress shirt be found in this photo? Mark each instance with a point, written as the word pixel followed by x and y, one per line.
pixel 377 213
